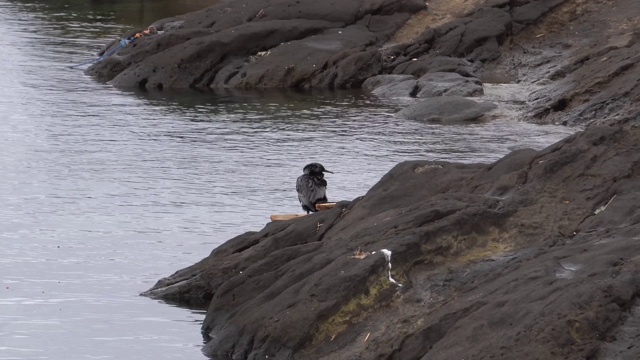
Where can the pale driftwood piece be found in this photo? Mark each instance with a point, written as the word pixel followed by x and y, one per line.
pixel 283 217
pixel 325 206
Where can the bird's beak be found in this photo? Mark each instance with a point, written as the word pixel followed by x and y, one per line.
pixel 330 172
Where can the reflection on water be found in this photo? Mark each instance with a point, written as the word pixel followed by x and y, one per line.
pixel 132 13
pixel 103 192
pixel 141 13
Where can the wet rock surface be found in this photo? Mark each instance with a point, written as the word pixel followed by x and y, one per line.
pixel 446 109
pixel 429 85
pixel 535 256
pixel 583 58
pixel 404 88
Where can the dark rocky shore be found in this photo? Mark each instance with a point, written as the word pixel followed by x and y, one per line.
pixel 536 256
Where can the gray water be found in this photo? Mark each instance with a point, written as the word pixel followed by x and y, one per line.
pixel 104 191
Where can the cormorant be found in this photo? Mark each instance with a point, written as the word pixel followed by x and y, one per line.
pixel 312 186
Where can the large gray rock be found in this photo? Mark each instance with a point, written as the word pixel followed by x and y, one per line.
pixel 486 23
pixel 334 58
pixel 309 43
pixel 262 43
pixel 448 84
pixel 516 259
pixel 429 85
pixel 446 109
pixel 593 84
pixel 405 88
pixel 374 82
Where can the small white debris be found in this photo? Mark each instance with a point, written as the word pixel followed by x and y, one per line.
pixel 603 207
pixel 387 255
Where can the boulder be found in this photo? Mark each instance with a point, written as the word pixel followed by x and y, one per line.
pixel 488 51
pixel 405 88
pixel 446 109
pixel 448 84
pixel 380 80
pixel 334 58
pixel 486 23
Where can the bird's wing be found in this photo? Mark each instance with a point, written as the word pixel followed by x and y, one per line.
pixel 310 190
pixel 302 189
pixel 299 184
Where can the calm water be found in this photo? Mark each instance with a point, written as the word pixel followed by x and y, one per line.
pixel 103 192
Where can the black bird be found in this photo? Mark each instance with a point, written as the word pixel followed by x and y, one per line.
pixel 312 187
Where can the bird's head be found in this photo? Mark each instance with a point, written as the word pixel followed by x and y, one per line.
pixel 315 169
